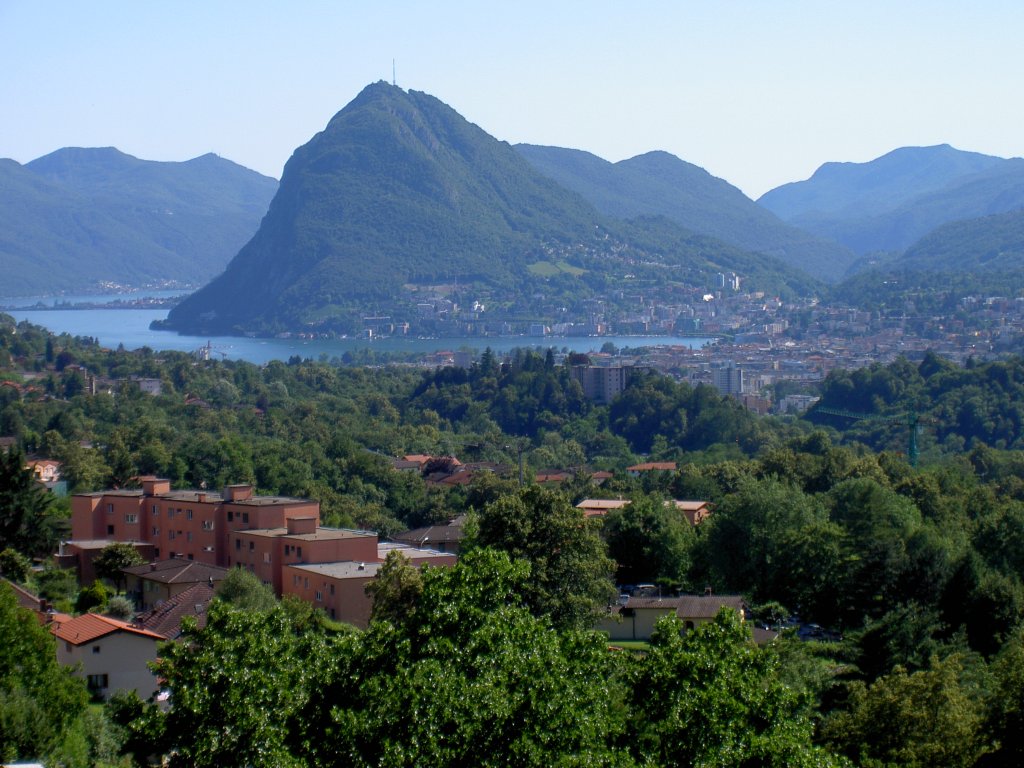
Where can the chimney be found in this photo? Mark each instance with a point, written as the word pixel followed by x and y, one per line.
pixel 201 498
pixel 707 591
pixel 299 525
pixel 154 486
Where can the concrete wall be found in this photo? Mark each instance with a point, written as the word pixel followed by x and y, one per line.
pixel 122 656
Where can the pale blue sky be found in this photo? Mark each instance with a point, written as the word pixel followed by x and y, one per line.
pixel 758 93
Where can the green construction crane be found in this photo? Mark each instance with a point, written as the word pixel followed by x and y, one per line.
pixel 912 419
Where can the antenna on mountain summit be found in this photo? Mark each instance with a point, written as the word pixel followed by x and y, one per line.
pixel 393 72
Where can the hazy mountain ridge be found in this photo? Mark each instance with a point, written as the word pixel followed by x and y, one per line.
pixel 78 217
pixel 658 183
pixel 400 189
pixel 889 203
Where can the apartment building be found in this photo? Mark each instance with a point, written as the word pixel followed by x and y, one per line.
pixel 192 525
pixel 279 539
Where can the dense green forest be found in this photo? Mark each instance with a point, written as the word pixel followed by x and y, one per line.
pixel 914 572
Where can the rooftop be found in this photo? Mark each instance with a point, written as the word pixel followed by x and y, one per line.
pixel 92 626
pixel 177 571
pixel 165 619
pixel 343 570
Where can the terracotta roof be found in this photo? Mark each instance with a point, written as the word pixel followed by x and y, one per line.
pixel 165 619
pixel 177 571
pixel 92 626
pixel 691 506
pixel 668 466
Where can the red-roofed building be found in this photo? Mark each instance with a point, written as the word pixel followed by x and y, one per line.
pixel 165 620
pixel 157 582
pixel 111 655
pixel 651 466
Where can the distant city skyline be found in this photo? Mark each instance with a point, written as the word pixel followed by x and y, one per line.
pixel 759 94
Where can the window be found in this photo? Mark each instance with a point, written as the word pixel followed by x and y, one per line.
pixel 156 531
pixel 188 514
pixel 319 596
pixel 156 511
pixel 98 682
pixel 266 557
pixel 191 556
pixel 110 530
pixel 295 579
pixel 238 544
pixel 298 551
pixel 252 546
pixel 170 535
pixel 95 649
pixel 207 525
pixel 231 515
pixel 156 553
pixel 305 584
pixel 332 589
pixel 110 509
pixel 245 517
pixel 130 518
pixel 287 550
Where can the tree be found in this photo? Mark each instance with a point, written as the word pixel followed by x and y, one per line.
pixel 242 590
pixel 120 607
pixel 395 590
pixel 94 596
pixel 57 584
pixel 932 717
pixel 113 559
pixel 650 541
pixel 711 697
pixel 25 521
pixel 238 685
pixel 570 572
pixel 774 542
pixel 472 679
pixel 14 565
pixel 39 699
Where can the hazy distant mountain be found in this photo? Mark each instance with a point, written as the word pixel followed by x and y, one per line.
pixel 79 217
pixel 400 192
pixel 889 203
pixel 658 183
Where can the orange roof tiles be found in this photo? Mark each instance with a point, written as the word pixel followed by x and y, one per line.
pixel 91 626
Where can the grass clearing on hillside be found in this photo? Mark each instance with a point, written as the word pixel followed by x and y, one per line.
pixel 550 269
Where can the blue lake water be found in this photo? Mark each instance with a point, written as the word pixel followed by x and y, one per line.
pixel 130 327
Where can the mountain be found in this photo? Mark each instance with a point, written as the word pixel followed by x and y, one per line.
pixel 78 217
pixel 400 199
pixel 660 184
pixel 889 203
pixel 988 244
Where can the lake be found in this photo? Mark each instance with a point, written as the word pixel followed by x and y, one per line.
pixel 130 327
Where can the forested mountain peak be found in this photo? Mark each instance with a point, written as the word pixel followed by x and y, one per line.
pixel 80 217
pixel 398 193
